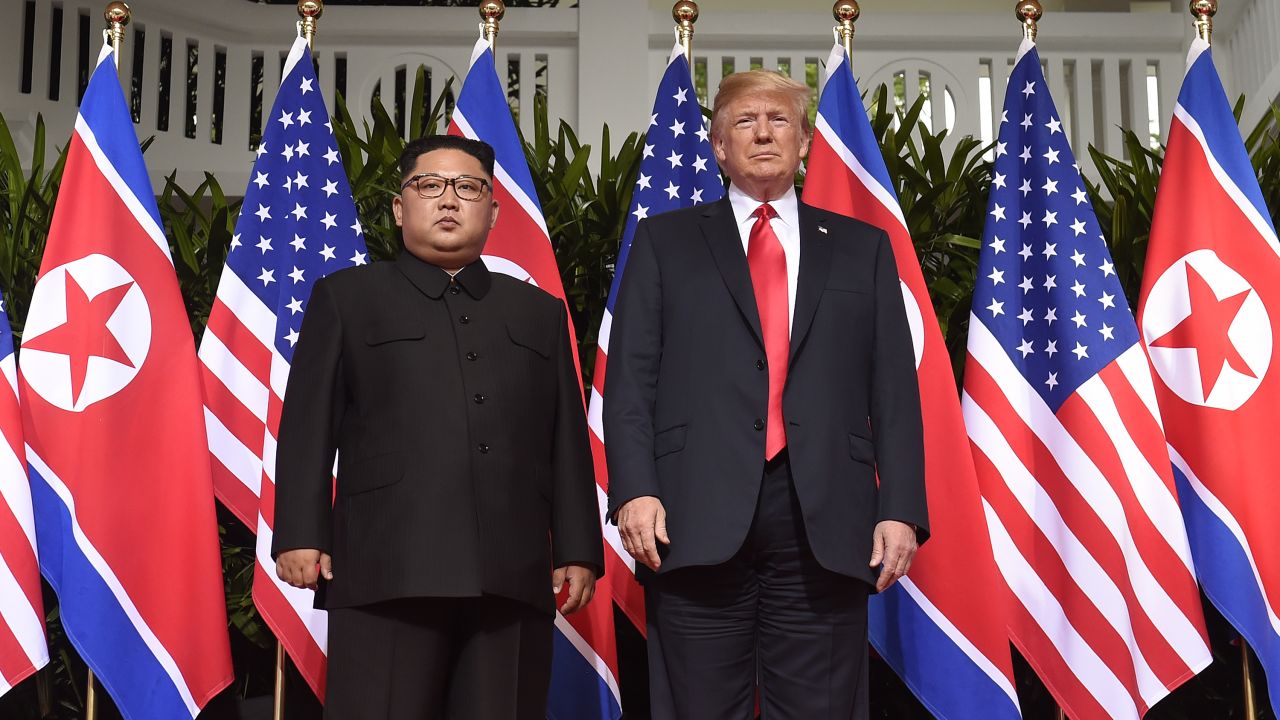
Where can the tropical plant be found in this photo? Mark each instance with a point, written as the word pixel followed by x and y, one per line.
pixel 943 197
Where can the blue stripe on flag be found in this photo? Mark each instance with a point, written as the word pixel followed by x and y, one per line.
pixel 106 114
pixel 1227 578
pixel 480 91
pixel 1205 100
pixel 95 622
pixel 577 690
pixel 854 130
pixel 940 674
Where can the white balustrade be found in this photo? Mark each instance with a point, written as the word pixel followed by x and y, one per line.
pixel 591 63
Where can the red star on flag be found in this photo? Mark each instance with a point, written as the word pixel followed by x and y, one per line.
pixel 1205 331
pixel 85 333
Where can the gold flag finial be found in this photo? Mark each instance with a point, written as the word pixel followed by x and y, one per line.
pixel 1029 13
pixel 846 13
pixel 117 16
pixel 491 13
pixel 1203 11
pixel 310 11
pixel 685 13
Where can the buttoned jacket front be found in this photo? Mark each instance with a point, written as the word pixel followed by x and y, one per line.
pixel 463 459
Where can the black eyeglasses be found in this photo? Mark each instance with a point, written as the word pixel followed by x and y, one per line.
pixel 431 185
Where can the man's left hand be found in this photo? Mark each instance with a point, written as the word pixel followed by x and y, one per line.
pixel 582 586
pixel 894 546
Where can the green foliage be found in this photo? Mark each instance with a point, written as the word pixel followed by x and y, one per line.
pixel 585 192
pixel 943 199
pixel 26 208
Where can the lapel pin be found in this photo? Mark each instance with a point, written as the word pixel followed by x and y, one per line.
pixel 822 230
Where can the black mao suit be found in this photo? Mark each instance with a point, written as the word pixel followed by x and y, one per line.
pixel 464 469
pixel 687 393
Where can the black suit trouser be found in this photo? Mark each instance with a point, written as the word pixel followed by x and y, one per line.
pixel 771 618
pixel 479 658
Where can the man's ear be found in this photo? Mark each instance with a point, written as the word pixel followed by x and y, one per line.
pixel 493 217
pixel 397 209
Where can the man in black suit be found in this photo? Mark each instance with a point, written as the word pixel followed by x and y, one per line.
pixel 761 376
pixel 465 495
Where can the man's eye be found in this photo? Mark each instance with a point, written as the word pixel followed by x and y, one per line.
pixel 431 185
pixel 467 186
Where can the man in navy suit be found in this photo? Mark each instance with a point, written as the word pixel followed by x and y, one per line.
pixel 764 435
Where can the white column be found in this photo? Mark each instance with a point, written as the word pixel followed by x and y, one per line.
pixel 613 61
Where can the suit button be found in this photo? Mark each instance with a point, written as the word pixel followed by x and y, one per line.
pixel 472 356
pixel 759 364
pixel 464 319
pixel 759 424
pixel 479 398
pixel 483 448
pixel 453 289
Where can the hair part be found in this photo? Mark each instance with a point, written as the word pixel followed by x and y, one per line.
pixel 760 82
pixel 478 149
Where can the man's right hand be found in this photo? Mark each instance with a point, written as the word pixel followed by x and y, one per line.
pixel 302 568
pixel 641 522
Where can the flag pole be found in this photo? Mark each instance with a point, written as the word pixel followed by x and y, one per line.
pixel 117 15
pixel 685 13
pixel 1029 13
pixel 1203 12
pixel 491 13
pixel 846 13
pixel 309 11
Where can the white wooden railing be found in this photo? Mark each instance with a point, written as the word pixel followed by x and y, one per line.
pixel 599 63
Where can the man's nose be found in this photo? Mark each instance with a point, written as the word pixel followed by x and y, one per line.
pixel 450 198
pixel 764 132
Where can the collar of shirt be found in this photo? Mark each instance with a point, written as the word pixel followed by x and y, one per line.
pixel 786 225
pixel 433 280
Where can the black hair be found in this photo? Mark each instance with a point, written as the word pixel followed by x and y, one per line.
pixel 478 149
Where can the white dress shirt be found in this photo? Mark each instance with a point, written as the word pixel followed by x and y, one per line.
pixel 786 225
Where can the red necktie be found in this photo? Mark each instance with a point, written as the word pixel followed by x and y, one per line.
pixel 769 280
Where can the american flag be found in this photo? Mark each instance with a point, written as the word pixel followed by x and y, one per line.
pixel 945 641
pixel 1061 414
pixel 298 224
pixel 22 639
pixel 584 669
pixel 1209 321
pixel 678 170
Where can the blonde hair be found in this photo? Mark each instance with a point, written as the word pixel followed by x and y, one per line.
pixel 760 82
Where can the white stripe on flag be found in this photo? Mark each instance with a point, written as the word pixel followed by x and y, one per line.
pixel 1044 609
pixel 1229 521
pixel 279 373
pixel 946 626
pixel 9 366
pixel 247 307
pixel 595 414
pixel 301 601
pixel 611 536
pixel 15 489
pixel 1085 476
pixel 500 174
pixel 113 583
pixel 1261 224
pixel 1094 581
pixel 241 381
pixel 606 328
pixel 21 618
pixel 239 460
pixel 145 221
pixel 855 166
pixel 589 654
pixel 1137 370
pixel 1155 498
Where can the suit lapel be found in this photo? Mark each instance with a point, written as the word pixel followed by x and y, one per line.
pixel 721 234
pixel 815 256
